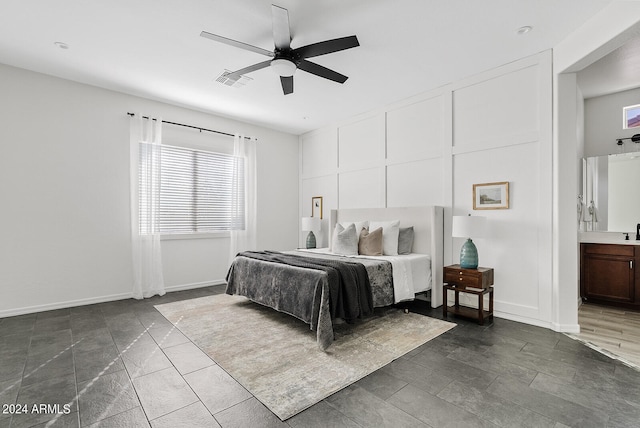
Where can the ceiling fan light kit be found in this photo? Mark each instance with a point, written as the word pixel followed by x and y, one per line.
pixel 283 67
pixel 285 59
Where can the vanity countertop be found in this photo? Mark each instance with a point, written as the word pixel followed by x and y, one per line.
pixel 607 238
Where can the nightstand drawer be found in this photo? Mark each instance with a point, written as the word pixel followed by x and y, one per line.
pixel 462 280
pixel 476 278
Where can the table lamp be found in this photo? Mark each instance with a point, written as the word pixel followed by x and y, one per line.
pixel 468 227
pixel 310 224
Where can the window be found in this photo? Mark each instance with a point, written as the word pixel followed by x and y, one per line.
pixel 631 117
pixel 200 191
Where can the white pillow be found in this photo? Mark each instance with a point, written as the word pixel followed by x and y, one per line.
pixel 390 232
pixel 345 241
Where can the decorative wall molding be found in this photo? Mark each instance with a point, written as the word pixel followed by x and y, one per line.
pixel 495 126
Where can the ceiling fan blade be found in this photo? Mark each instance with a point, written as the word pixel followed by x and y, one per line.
pixel 236 43
pixel 287 84
pixel 281 31
pixel 318 70
pixel 326 47
pixel 236 74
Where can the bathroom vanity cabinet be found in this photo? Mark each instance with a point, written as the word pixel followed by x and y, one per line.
pixel 609 274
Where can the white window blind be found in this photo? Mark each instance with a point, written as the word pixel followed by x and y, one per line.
pixel 200 191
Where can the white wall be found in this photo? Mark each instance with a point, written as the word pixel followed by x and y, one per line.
pixel 431 149
pixel 603 123
pixel 64 187
pixel 502 132
pixel 388 158
pixel 567 109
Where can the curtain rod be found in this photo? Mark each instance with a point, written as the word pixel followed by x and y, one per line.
pixel 192 127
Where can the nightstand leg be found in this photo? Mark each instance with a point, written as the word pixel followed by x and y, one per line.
pixel 445 297
pixel 457 298
pixel 481 308
pixel 491 301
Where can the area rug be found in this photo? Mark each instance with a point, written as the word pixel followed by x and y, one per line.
pixel 275 356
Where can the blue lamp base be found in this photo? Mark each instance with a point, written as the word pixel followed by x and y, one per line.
pixel 469 255
pixel 311 240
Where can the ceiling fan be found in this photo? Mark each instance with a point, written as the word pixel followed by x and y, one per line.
pixel 283 59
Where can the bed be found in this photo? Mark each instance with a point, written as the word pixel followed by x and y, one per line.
pixel 318 286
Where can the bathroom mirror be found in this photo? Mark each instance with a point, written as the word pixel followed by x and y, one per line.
pixel 613 184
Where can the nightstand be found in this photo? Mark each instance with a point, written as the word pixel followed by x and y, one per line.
pixel 472 281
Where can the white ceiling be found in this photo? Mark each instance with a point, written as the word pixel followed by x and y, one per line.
pixel 152 48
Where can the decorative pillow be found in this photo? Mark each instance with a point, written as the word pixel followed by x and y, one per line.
pixel 390 232
pixel 358 224
pixel 345 241
pixel 370 243
pixel 405 240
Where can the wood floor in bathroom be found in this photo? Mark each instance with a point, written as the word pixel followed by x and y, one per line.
pixel 616 330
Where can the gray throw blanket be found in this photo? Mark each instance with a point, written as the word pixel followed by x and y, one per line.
pixel 350 294
pixel 301 289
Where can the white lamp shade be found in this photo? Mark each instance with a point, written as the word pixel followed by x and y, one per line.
pixel 465 226
pixel 310 223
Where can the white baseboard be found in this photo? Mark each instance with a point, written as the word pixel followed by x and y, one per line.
pixel 63 305
pixel 99 299
pixel 194 285
pixel 560 328
pixel 524 320
pixel 566 328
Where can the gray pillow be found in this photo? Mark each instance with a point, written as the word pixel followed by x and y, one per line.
pixel 345 241
pixel 405 240
pixel 370 243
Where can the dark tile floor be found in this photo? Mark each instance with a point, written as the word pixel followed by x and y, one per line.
pixel 121 364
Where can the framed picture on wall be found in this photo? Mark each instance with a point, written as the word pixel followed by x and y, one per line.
pixel 316 207
pixel 491 196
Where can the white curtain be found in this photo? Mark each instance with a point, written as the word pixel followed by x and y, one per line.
pixel 145 140
pixel 246 239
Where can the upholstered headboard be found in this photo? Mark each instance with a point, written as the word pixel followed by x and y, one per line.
pixel 427 222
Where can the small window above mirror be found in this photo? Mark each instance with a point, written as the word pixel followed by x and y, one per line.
pixel 631 117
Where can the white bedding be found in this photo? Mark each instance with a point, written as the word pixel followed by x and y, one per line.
pixel 411 272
